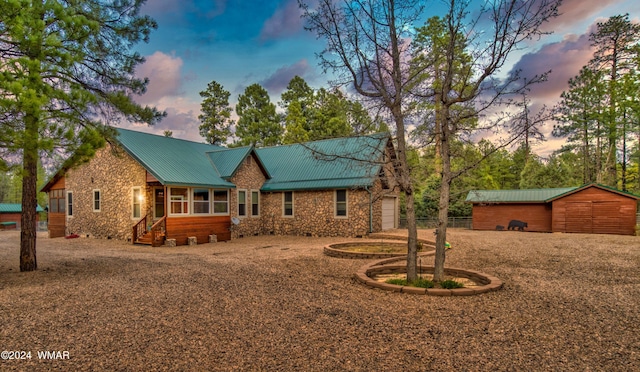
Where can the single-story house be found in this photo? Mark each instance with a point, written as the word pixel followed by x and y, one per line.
pixel 10 215
pixel 147 188
pixel 590 208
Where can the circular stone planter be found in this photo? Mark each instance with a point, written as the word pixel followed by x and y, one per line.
pixel 337 250
pixel 486 283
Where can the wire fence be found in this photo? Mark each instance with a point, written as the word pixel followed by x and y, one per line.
pixel 431 223
pixel 457 222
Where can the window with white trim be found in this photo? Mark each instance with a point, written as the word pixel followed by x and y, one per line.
pixel 70 203
pixel 136 203
pixel 242 203
pixel 287 203
pixel 179 200
pixel 255 203
pixel 341 203
pixel 220 202
pixel 201 203
pixel 97 201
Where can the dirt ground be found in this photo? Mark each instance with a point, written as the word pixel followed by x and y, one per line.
pixel 571 302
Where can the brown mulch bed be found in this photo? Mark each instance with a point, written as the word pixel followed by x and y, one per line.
pixel 570 302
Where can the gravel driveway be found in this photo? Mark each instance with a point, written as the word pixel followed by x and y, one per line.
pixel 571 302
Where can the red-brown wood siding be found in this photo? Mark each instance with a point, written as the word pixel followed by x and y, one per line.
pixel 56 221
pixel 58 185
pixel 487 217
pixel 151 178
pixel 180 228
pixel 13 217
pixel 594 210
pixel 56 225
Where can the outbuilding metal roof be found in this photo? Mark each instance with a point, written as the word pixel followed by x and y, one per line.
pixel 516 196
pixel 15 208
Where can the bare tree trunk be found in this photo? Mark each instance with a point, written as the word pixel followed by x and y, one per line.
pixel 624 150
pixel 443 207
pixel 599 156
pixel 412 243
pixel 586 174
pixel 438 132
pixel 404 178
pixel 29 196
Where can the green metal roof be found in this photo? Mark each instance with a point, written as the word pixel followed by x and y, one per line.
pixel 516 196
pixel 335 163
pixel 15 208
pixel 326 164
pixel 599 186
pixel 227 161
pixel 173 161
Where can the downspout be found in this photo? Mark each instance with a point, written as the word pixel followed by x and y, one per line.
pixel 370 209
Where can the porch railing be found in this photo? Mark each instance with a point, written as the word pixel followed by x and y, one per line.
pixel 158 232
pixel 139 229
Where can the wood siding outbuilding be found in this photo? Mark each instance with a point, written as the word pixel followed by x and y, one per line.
pixel 594 210
pixel 488 216
pixel 589 209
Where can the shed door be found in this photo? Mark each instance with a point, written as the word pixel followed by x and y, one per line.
pixel 578 217
pixel 388 213
pixel 606 217
pixel 598 217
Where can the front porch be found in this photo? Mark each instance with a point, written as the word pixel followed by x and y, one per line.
pixel 154 236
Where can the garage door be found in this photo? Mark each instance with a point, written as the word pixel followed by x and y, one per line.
pixel 578 217
pixel 388 213
pixel 601 217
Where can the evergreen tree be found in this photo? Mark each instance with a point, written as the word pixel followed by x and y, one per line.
pixel 313 115
pixel 331 117
pixel 216 114
pixel 299 91
pixel 258 124
pixel 295 124
pixel 616 52
pixel 66 70
pixel 581 117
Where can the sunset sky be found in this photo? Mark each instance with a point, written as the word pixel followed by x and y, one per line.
pixel 238 43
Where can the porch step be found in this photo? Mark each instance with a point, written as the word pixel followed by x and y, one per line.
pixel 144 240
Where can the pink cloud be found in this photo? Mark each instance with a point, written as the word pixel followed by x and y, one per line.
pixel 184 125
pixel 564 58
pixel 284 22
pixel 575 11
pixel 279 80
pixel 164 74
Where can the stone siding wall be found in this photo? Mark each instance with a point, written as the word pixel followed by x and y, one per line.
pixel 314 211
pixel 314 214
pixel 115 177
pixel 249 177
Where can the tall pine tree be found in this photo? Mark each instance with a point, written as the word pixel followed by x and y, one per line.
pixel 66 73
